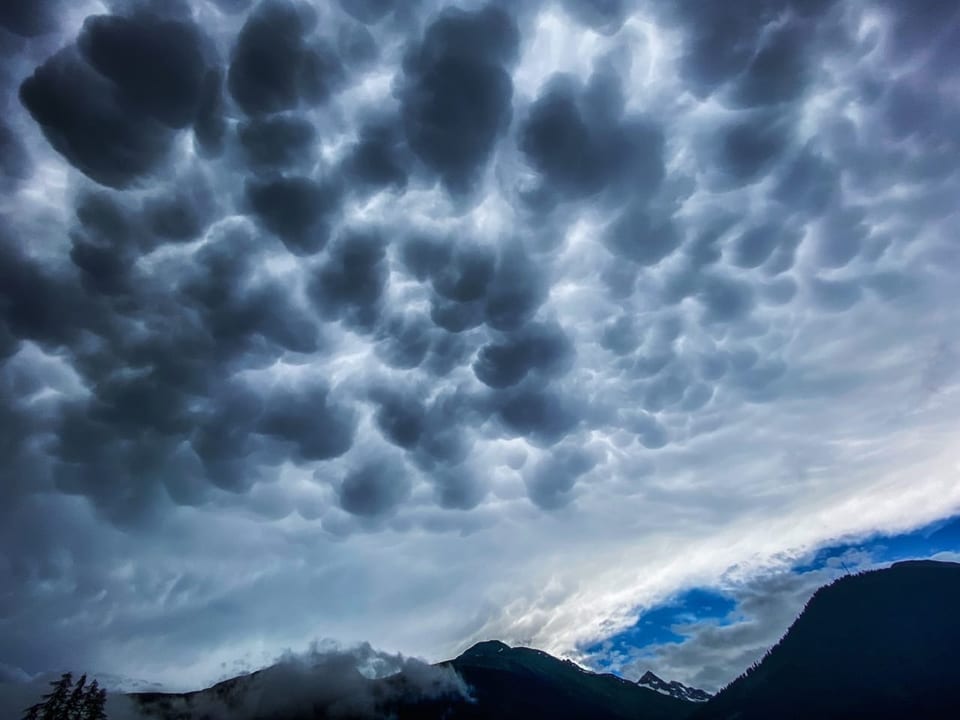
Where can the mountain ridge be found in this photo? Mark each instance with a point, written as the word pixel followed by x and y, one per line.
pixel 879 644
pixel 673 688
pixel 502 682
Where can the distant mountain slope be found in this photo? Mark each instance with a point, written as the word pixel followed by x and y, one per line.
pixel 883 644
pixel 504 684
pixel 519 683
pixel 672 688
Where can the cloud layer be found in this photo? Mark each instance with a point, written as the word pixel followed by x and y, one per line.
pixel 422 323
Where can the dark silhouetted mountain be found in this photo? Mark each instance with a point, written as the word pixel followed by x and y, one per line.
pixel 509 683
pixel 672 688
pixel 882 644
pixel 502 683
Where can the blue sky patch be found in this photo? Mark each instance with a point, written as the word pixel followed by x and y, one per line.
pixel 658 625
pixel 662 625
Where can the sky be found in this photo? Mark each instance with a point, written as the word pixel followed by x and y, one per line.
pixel 699 634
pixel 608 327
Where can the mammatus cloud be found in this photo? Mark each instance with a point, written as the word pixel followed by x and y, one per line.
pixel 432 322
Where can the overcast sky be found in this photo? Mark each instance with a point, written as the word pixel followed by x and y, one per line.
pixel 421 323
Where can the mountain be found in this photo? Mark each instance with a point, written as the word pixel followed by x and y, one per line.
pixel 673 688
pixel 523 683
pixel 882 644
pixel 502 683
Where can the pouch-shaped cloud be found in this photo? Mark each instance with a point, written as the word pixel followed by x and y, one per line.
pixel 431 322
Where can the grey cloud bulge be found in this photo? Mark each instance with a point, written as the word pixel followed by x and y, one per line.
pixel 370 269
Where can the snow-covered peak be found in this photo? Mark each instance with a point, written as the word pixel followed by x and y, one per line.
pixel 672 688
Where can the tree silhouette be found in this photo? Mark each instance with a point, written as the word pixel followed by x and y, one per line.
pixel 67 701
pixel 55 702
pixel 75 704
pixel 93 703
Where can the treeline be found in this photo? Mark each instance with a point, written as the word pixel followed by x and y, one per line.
pixel 70 701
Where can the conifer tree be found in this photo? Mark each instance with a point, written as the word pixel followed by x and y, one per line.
pixel 94 702
pixel 67 701
pixel 75 704
pixel 33 712
pixel 56 702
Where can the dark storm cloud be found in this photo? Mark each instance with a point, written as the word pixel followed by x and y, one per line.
pixel 777 71
pixel 379 158
pixel 536 349
pixel 620 335
pixel 380 266
pixel 448 351
pixel 224 439
pixel 755 246
pixel 232 6
pixel 665 390
pixel 124 50
pixel 357 46
pixel 549 483
pixel 650 432
pixel 104 244
pixel 456 317
pixel 40 303
pixel 405 340
pixel 925 20
pixel 841 237
pixel 14 162
pixel 747 148
pixel 368 11
pixel 458 488
pixel 808 183
pixel 234 308
pixel 210 125
pixel 543 416
pixel 399 417
pixel 721 40
pixel 424 255
pixel 465 276
pixel 276 64
pixel 555 138
pixel 741 43
pixel 579 141
pixel 374 488
pixel 834 295
pixel 457 90
pixel 517 289
pixel 350 284
pixel 475 283
pixel 604 16
pixel 318 426
pixel 447 440
pixel 150 359
pixel 641 236
pixel 435 431
pixel 295 208
pixel 107 107
pixel 183 213
pixel 89 126
pixel 277 141
pixel 780 292
pixel 725 299
pixel 29 18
